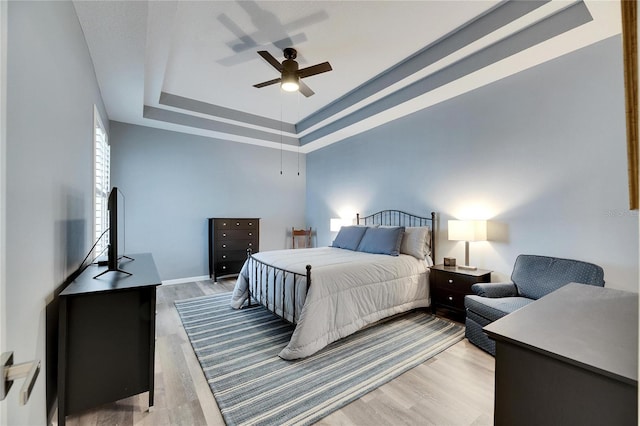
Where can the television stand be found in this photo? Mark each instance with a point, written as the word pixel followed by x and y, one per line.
pixel 106 343
pixel 116 269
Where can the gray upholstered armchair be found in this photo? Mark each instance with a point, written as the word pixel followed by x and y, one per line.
pixel 533 277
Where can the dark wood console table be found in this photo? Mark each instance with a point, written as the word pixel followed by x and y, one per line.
pixel 569 358
pixel 107 336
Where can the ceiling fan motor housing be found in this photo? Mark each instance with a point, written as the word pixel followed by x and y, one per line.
pixel 289 66
pixel 290 53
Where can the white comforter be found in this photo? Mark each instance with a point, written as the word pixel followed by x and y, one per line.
pixel 349 290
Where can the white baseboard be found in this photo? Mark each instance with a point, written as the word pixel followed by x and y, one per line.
pixel 185 280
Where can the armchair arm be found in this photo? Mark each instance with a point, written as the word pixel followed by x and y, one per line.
pixel 495 290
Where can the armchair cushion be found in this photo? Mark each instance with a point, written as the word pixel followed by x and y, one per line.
pixel 494 308
pixel 537 276
pixel 495 289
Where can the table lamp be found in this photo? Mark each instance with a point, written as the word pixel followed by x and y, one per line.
pixel 467 230
pixel 335 224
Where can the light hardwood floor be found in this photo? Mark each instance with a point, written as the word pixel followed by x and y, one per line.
pixel 452 388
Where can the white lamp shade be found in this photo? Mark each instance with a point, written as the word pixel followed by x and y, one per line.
pixel 335 224
pixel 467 230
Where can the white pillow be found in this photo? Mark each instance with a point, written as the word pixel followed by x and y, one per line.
pixel 416 241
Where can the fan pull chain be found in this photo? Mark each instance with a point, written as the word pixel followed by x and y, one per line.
pixel 296 129
pixel 280 132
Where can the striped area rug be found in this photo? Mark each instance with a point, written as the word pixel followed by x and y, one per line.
pixel 238 351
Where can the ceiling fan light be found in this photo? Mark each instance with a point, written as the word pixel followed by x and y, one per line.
pixel 290 83
pixel 290 86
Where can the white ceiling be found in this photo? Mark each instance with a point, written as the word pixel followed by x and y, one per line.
pixel 202 56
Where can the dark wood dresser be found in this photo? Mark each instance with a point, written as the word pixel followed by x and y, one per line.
pixel 449 285
pixel 107 335
pixel 229 239
pixel 568 358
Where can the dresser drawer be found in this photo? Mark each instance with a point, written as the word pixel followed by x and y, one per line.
pixel 236 224
pixel 228 267
pixel 235 234
pixel 231 255
pixel 235 245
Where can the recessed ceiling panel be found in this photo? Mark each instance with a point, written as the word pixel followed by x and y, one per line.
pixel 190 66
pixel 359 39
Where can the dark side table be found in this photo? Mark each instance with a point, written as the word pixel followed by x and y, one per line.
pixel 449 285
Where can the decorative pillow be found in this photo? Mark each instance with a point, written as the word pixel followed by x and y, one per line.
pixel 416 241
pixel 349 237
pixel 382 240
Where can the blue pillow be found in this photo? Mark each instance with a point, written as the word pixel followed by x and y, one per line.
pixel 349 237
pixel 382 240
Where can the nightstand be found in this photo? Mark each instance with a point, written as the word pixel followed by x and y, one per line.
pixel 449 285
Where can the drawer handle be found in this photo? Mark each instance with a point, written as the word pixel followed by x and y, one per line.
pixel 451 298
pixel 250 223
pixel 450 281
pixel 224 267
pixel 224 235
pixel 224 223
pixel 250 244
pixel 224 246
pixel 250 234
pixel 224 256
pixel 237 223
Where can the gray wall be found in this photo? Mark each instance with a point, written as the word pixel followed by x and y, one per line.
pixel 51 90
pixel 173 182
pixel 541 154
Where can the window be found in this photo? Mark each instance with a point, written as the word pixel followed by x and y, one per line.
pixel 102 183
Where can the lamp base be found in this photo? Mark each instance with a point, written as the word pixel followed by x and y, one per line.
pixel 466 259
pixel 467 267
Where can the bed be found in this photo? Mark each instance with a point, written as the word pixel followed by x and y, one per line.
pixel 332 292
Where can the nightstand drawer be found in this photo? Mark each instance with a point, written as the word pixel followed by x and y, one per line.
pixel 450 299
pixel 453 282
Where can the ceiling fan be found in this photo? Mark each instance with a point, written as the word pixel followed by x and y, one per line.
pixel 290 78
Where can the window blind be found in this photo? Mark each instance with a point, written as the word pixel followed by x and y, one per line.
pixel 102 184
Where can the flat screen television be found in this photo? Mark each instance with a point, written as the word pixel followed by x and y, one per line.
pixel 113 255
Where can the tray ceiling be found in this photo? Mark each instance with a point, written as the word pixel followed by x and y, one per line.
pixel 189 66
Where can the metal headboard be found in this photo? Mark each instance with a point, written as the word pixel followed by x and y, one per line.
pixel 400 218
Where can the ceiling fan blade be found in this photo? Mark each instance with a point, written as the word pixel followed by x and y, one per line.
pixel 306 21
pixel 269 58
pixel 315 69
pixel 290 41
pixel 304 89
pixel 244 41
pixel 267 83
